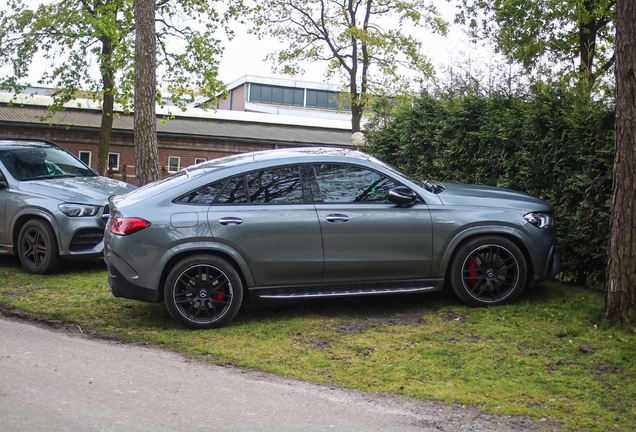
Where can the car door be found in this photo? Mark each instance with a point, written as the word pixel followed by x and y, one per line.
pixel 269 219
pixel 366 238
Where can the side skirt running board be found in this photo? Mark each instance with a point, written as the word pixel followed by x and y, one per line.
pixel 360 292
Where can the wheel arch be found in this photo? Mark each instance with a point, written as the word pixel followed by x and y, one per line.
pixel 464 237
pixel 22 218
pixel 230 256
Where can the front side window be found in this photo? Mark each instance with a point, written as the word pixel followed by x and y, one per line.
pixel 352 184
pixel 277 185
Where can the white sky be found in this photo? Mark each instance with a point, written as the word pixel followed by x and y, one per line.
pixel 245 54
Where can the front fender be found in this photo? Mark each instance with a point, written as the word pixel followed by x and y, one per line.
pixel 474 231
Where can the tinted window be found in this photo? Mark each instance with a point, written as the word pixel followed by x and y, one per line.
pixel 204 195
pixel 234 192
pixel 350 183
pixel 33 163
pixel 279 185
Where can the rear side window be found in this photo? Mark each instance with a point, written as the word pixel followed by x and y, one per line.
pixel 278 185
pixel 202 196
pixel 234 192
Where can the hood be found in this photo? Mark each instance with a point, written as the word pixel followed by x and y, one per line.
pixel 488 196
pixel 85 190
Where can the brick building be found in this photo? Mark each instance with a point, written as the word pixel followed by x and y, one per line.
pixel 183 139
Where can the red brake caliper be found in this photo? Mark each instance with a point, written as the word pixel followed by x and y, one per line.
pixel 472 275
pixel 220 295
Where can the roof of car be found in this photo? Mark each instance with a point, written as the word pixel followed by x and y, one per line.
pixel 290 153
pixel 11 143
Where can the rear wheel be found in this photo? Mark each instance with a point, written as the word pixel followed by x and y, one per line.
pixel 488 270
pixel 203 291
pixel 37 247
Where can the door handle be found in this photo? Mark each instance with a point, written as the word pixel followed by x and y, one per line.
pixel 337 218
pixel 230 221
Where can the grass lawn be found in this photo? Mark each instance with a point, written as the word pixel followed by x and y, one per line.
pixel 548 355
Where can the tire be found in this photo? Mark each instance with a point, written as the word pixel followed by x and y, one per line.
pixel 38 249
pixel 203 292
pixel 488 271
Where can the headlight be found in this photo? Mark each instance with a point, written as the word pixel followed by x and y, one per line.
pixel 79 210
pixel 540 220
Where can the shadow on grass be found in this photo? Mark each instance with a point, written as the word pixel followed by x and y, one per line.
pixel 68 266
pixel 405 307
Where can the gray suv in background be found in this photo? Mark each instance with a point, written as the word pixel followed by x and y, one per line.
pixel 319 222
pixel 52 206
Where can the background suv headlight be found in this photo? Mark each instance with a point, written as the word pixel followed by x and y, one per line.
pixel 540 220
pixel 78 210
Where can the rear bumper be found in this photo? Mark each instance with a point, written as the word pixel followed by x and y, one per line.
pixel 120 275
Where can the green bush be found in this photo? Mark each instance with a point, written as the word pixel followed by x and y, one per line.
pixel 555 143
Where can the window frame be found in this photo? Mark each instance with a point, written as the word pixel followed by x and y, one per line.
pixel 171 158
pixel 118 157
pixel 90 157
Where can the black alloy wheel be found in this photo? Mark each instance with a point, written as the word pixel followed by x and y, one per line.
pixel 203 291
pixel 488 271
pixel 38 248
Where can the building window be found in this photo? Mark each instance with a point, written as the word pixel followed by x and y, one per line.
pixel 174 163
pixel 199 160
pixel 85 156
pixel 323 99
pixel 276 95
pixel 113 161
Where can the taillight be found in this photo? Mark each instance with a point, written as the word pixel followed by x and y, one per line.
pixel 127 226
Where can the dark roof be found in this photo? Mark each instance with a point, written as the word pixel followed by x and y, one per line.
pixel 200 127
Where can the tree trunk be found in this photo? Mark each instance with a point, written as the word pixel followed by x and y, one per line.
pixel 145 138
pixel 620 298
pixel 108 82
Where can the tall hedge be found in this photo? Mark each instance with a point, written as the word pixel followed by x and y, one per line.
pixel 553 143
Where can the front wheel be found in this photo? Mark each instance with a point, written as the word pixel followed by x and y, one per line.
pixel 488 270
pixel 37 247
pixel 203 292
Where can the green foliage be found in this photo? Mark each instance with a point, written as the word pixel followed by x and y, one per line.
pixel 355 41
pixel 555 143
pixel 571 36
pixel 547 356
pixel 89 45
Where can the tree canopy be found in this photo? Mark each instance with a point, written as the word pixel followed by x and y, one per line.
pixel 574 37
pixel 355 39
pixel 87 47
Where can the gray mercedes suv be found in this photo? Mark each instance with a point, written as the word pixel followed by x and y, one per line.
pixel 52 206
pixel 319 222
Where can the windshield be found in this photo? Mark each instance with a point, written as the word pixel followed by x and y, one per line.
pixel 43 163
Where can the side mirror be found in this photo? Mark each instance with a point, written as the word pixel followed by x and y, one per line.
pixel 401 195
